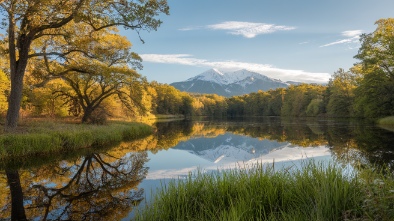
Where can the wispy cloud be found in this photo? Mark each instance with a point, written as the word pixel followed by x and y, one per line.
pixel 353 37
pixel 246 29
pixel 230 65
pixel 191 28
pixel 352 33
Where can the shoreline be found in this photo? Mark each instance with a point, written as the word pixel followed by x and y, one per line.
pixel 51 137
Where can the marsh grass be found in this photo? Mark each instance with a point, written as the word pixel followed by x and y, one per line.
pixel 386 121
pixel 312 192
pixel 42 138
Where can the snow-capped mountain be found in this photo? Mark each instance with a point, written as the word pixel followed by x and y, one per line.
pixel 228 84
pixel 229 148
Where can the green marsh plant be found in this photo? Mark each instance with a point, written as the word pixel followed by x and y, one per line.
pixel 314 191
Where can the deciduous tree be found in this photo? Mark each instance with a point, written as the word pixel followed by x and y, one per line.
pixel 98 75
pixel 375 94
pixel 29 21
pixel 341 93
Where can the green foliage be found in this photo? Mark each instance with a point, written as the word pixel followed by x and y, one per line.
pixel 236 106
pixel 213 105
pixel 44 102
pixel 187 106
pixel 375 94
pixel 268 103
pixel 257 104
pixel 169 100
pixel 341 94
pixel 276 101
pixel 297 99
pixel 313 108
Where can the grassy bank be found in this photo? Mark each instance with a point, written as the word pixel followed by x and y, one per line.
pixel 314 192
pixel 42 138
pixel 386 121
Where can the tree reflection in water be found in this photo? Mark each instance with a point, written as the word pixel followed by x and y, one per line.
pixel 94 187
pixel 104 186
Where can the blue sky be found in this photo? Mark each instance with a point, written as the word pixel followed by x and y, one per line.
pixel 300 40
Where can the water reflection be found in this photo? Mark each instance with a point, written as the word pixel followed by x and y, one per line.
pixel 348 142
pixel 98 186
pixel 232 148
pixel 108 185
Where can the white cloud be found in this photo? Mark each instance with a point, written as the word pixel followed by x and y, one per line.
pixel 353 37
pixel 191 28
pixel 352 33
pixel 246 29
pixel 229 65
pixel 186 29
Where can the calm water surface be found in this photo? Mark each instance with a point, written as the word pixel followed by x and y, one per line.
pixel 111 183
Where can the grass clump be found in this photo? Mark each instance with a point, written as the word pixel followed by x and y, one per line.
pixel 386 121
pixel 46 138
pixel 312 192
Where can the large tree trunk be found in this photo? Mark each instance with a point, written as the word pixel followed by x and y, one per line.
pixel 86 114
pixel 17 68
pixel 17 209
pixel 14 101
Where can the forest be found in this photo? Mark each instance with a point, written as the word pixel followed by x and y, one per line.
pixel 92 74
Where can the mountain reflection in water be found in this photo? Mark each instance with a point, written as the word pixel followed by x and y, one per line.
pixel 109 182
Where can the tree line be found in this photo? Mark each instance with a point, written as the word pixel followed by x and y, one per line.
pixel 93 74
pixel 366 90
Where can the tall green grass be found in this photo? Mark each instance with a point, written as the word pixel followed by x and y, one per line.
pixel 312 192
pixel 386 121
pixel 46 138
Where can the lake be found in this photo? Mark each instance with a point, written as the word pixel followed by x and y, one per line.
pixel 109 183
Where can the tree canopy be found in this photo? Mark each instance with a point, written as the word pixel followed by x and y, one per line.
pixel 375 93
pixel 28 22
pixel 105 71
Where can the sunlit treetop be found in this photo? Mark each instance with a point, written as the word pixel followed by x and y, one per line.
pixel 377 50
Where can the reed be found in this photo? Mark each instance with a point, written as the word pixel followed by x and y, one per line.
pixel 46 137
pixel 312 192
pixel 386 121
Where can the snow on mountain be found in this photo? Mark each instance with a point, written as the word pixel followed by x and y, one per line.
pixel 212 75
pixel 226 154
pixel 234 83
pixel 230 148
pixel 242 75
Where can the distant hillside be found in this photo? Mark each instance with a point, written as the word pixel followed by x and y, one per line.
pixel 229 84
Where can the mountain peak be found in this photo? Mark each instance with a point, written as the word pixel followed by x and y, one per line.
pixel 215 70
pixel 230 83
pixel 212 71
pixel 213 75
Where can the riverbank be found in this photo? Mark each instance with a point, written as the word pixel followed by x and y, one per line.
pixel 46 137
pixel 313 192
